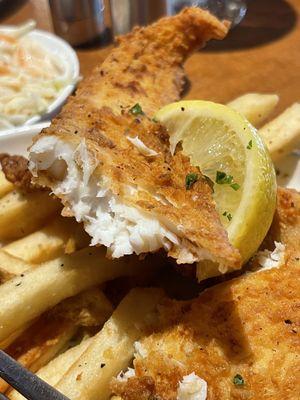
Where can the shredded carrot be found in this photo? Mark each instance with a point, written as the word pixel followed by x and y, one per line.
pixel 7 39
pixel 21 57
pixel 4 68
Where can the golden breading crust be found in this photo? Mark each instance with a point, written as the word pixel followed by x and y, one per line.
pixel 248 326
pixel 16 171
pixel 286 225
pixel 146 68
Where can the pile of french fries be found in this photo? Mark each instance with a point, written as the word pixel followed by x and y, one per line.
pixel 54 317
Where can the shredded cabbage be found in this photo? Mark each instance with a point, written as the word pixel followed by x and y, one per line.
pixel 31 77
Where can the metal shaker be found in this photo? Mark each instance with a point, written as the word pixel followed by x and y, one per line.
pixel 82 21
pixel 128 13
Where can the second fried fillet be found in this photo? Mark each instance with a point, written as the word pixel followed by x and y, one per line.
pixel 240 337
pixel 110 163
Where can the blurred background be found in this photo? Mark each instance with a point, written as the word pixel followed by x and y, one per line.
pixel 263 41
pixel 82 22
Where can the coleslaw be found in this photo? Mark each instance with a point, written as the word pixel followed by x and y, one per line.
pixel 31 77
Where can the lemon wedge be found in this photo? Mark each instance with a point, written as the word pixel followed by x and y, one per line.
pixel 230 152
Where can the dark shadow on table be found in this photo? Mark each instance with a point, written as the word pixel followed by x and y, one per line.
pixel 265 21
pixel 9 7
pixel 104 40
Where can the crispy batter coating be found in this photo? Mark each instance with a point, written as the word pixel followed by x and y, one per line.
pixel 146 68
pixel 16 171
pixel 248 326
pixel 286 225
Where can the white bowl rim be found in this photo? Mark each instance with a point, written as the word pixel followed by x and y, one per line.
pixel 23 130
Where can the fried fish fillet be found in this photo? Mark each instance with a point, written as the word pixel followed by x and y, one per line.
pixel 110 163
pixel 242 337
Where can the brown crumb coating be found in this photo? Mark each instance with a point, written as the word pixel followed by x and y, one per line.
pixel 16 171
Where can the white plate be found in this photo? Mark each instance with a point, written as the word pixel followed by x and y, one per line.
pixel 18 143
pixel 61 49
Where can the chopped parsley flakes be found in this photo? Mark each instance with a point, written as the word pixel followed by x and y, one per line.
pixel 249 146
pixel 238 380
pixel 190 179
pixel 136 110
pixel 223 179
pixel 228 215
pixel 235 186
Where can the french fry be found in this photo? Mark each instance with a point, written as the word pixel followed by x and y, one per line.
pixel 112 348
pixel 55 369
pixel 256 107
pixel 21 214
pixel 11 266
pixel 5 185
pixel 282 134
pixel 41 288
pixel 5 275
pixel 49 242
pixel 40 343
pixel 53 330
pixel 13 336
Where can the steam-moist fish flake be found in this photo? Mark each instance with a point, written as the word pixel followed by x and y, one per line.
pixel 123 229
pixel 192 387
pixel 272 259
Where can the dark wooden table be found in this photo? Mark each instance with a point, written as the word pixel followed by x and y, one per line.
pixel 262 54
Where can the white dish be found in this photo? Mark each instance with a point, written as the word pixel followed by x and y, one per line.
pixel 289 171
pixel 18 143
pixel 59 48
